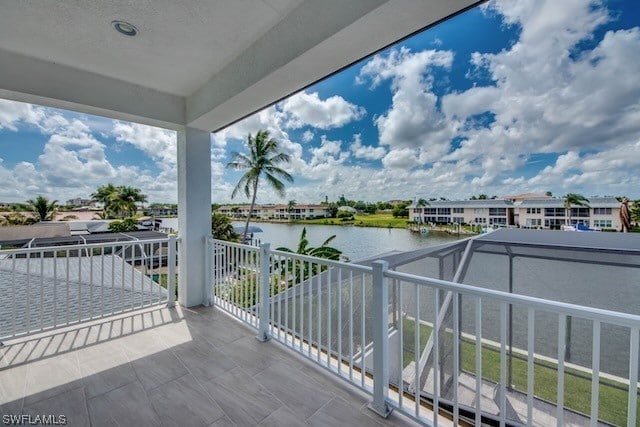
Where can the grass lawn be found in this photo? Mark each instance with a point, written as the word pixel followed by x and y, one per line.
pixel 375 220
pixel 577 389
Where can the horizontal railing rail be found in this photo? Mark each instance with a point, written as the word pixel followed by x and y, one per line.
pixel 83 246
pixel 327 262
pixel 592 313
pixel 428 347
pixel 42 288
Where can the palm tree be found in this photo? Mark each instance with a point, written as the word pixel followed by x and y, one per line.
pixel 42 209
pixel 420 204
pixel 119 200
pixel 15 218
pixel 263 160
pixel 221 228
pixel 304 270
pixel 104 195
pixel 572 199
pixel 128 197
pixel 290 207
pixel 323 251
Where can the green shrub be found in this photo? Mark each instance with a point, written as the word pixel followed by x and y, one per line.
pixel 124 226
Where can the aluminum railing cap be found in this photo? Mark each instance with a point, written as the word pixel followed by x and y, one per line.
pixel 595 241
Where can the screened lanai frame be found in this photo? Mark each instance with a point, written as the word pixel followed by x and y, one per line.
pixel 496 260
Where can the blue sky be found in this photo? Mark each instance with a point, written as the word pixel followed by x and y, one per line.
pixel 511 97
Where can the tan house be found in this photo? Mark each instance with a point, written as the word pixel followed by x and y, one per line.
pixel 299 211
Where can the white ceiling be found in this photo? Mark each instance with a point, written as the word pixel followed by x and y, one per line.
pixel 202 63
pixel 181 44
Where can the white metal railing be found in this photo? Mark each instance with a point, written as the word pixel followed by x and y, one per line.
pixel 48 287
pixel 426 346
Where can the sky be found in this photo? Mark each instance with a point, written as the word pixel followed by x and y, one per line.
pixel 513 96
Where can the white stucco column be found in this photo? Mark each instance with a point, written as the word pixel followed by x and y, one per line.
pixel 194 213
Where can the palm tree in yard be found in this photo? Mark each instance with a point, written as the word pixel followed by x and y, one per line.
pixel 573 199
pixel 263 160
pixel 290 206
pixel 322 251
pixel 129 196
pixel 300 270
pixel 104 195
pixel 119 200
pixel 42 209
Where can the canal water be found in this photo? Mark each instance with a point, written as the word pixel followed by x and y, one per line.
pixel 354 242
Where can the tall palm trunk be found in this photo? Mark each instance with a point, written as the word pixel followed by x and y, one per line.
pixel 253 202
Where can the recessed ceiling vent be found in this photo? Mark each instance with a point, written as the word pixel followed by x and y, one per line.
pixel 125 28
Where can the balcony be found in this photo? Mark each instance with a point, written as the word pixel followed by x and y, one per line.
pixel 352 344
pixel 172 366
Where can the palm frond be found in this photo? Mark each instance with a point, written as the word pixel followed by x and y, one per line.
pixel 279 172
pixel 326 253
pixel 276 184
pixel 239 185
pixel 283 249
pixel 329 240
pixel 280 158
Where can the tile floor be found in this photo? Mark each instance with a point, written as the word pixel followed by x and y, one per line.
pixel 173 367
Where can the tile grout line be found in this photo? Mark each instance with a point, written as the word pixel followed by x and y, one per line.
pixel 213 399
pixel 198 381
pixel 320 408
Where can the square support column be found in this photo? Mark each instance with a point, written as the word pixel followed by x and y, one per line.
pixel 194 214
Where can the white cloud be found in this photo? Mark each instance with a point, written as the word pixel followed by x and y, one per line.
pixel 11 113
pixel 548 97
pixel 156 143
pixel 401 158
pixel 413 121
pixel 327 154
pixel 367 152
pixel 73 161
pixel 307 136
pixel 307 109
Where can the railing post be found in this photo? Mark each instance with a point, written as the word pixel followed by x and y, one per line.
pixel 380 340
pixel 171 270
pixel 208 272
pixel 265 298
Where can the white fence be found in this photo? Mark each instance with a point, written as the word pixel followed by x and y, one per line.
pixel 48 287
pixel 398 336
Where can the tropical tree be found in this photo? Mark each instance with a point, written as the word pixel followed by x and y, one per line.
pixel 222 229
pixel 41 208
pixel 573 199
pixel 400 210
pixel 15 218
pixel 103 195
pixel 125 226
pixel 121 200
pixel 420 204
pixel 300 270
pixel 323 251
pixel 263 160
pixel 290 206
pixel 126 198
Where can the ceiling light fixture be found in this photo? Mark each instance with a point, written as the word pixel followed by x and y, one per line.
pixel 125 28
